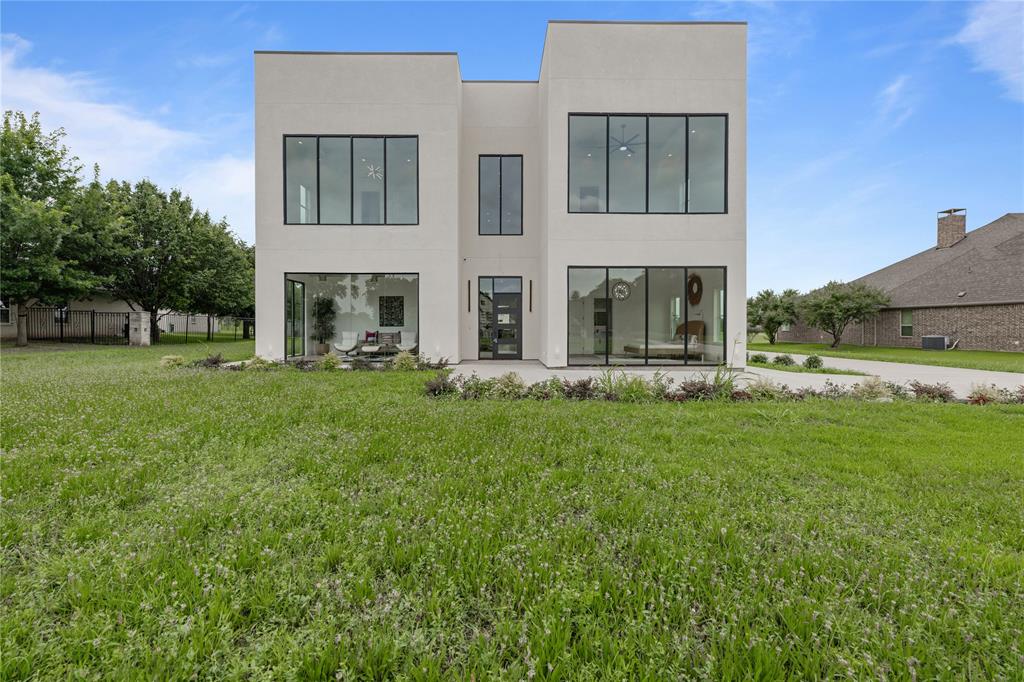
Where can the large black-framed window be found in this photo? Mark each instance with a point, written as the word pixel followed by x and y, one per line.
pixel 351 179
pixel 500 198
pixel 648 163
pixel 656 315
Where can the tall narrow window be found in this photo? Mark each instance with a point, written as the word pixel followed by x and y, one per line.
pixel 667 165
pixel 501 194
pixel 588 159
pixel 706 164
pixel 368 180
pixel 402 197
pixel 906 323
pixel 627 164
pixel 336 180
pixel 300 180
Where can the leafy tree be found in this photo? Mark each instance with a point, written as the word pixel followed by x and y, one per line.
pixel 45 253
pixel 173 257
pixel 835 305
pixel 770 311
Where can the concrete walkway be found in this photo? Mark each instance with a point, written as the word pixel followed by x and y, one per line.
pixel 960 380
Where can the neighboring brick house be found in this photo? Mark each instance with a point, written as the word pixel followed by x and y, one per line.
pixel 969 287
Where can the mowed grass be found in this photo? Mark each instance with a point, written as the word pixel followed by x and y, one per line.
pixel 800 369
pixel 176 523
pixel 970 359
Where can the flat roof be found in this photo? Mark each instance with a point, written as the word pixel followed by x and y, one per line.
pixel 654 23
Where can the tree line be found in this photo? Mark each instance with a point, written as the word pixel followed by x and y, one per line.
pixel 831 308
pixel 63 239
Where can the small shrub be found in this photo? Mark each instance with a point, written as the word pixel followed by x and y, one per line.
pixel 758 359
pixel 813 362
pixel 260 364
pixel 306 365
pixel 938 393
pixel 766 389
pixel 741 396
pixel 784 359
pixel 660 385
pixel 723 382
pixel 897 391
pixel 633 388
pixel 578 389
pixel 871 388
pixel 330 362
pixel 834 391
pixel 693 389
pixel 474 388
pixel 441 385
pixel 405 362
pixel 210 361
pixel 423 362
pixel 172 361
pixel 509 386
pixel 607 384
pixel 1018 395
pixel 550 389
pixel 983 394
pixel 361 363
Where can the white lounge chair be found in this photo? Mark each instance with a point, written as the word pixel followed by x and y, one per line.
pixel 409 342
pixel 348 343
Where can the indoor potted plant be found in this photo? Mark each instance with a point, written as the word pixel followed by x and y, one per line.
pixel 323 323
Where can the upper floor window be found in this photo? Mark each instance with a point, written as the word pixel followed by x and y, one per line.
pixel 501 194
pixel 647 163
pixel 351 180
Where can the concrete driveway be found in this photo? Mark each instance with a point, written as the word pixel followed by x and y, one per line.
pixel 960 380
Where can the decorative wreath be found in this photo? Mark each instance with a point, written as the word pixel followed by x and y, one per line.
pixel 694 289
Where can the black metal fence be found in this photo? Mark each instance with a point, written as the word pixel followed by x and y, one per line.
pixel 77 326
pixel 188 328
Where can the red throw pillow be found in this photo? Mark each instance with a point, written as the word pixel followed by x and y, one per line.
pixel 371 337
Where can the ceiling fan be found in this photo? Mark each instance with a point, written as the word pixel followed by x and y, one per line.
pixel 628 147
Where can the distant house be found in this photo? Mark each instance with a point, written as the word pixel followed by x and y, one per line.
pixel 968 287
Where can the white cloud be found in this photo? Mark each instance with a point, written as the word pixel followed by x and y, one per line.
pixel 126 143
pixel 894 102
pixel 994 34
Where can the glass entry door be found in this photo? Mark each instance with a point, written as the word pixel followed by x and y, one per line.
pixel 500 305
pixel 295 318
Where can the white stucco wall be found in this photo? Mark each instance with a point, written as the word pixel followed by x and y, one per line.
pixel 586 67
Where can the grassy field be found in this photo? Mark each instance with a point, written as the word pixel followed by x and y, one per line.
pixel 170 523
pixel 971 359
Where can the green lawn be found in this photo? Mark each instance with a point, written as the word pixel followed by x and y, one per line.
pixel 971 359
pixel 165 523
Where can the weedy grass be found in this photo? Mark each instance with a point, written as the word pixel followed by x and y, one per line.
pixel 971 359
pixel 179 522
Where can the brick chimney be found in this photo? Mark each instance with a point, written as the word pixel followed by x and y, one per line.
pixel 952 227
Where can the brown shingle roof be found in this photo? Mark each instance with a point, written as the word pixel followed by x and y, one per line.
pixel 987 265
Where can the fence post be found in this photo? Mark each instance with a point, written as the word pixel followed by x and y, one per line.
pixel 60 318
pixel 92 327
pixel 186 328
pixel 209 328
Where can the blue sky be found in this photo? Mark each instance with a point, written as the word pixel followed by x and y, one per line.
pixel 864 118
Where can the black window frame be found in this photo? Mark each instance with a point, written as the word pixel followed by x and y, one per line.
pixel 351 180
pixel 479 195
pixel 647 153
pixel 647 278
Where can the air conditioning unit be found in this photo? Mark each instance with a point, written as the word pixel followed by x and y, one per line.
pixel 934 342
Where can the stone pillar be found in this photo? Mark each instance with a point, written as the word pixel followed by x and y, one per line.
pixel 138 328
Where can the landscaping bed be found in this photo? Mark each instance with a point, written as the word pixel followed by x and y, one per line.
pixel 170 522
pixel 970 359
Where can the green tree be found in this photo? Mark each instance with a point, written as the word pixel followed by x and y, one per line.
pixel 173 257
pixel 770 311
pixel 835 305
pixel 45 251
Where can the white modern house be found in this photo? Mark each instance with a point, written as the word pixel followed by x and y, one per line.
pixel 594 216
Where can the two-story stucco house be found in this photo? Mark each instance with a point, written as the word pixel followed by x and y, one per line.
pixel 594 216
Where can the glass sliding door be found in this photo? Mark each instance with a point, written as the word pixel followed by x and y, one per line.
pixel 295 318
pixel 666 310
pixel 705 315
pixel 588 316
pixel 670 315
pixel 627 332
